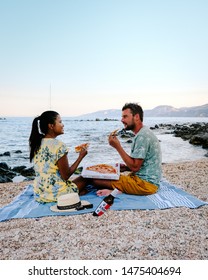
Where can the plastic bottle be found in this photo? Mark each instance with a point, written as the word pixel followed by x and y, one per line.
pixel 106 203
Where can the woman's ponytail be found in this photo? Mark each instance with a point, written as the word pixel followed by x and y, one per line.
pixel 35 138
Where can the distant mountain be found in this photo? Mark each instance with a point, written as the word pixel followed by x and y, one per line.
pixel 169 111
pixel 103 114
pixel 159 111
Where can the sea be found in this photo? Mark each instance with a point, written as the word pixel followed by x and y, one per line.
pixel 15 132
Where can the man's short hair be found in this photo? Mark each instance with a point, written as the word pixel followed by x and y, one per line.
pixel 135 109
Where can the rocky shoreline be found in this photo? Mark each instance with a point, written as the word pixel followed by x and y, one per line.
pixel 195 133
pixel 22 173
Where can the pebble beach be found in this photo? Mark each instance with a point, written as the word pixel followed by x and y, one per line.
pixel 172 234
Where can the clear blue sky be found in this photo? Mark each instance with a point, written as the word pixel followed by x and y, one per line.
pixel 100 54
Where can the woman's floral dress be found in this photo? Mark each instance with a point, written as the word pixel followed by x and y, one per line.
pixel 48 184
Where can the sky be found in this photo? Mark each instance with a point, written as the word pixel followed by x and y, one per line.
pixel 81 56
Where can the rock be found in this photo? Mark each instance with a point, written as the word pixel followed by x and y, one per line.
pixel 155 127
pixel 18 179
pixel 5 179
pixel 8 175
pixel 8 154
pixel 28 172
pixel 4 165
pixel 18 152
pixel 201 140
pixel 125 134
pixel 7 172
pixel 19 169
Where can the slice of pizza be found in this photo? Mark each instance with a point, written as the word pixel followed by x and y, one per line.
pixel 114 133
pixel 80 147
pixel 102 168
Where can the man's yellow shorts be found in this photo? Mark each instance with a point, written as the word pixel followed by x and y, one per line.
pixel 132 184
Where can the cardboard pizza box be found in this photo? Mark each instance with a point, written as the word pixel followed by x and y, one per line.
pixel 97 175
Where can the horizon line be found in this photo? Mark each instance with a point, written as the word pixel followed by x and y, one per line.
pixel 80 115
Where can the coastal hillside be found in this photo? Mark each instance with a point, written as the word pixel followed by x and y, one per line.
pixel 159 111
pixel 169 111
pixel 103 114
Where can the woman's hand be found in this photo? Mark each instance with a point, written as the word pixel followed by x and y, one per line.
pixel 83 153
pixel 65 169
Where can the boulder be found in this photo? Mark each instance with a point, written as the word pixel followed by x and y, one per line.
pixel 5 179
pixel 7 174
pixel 4 165
pixel 18 152
pixel 19 169
pixel 7 154
pixel 28 172
pixel 125 134
pixel 201 140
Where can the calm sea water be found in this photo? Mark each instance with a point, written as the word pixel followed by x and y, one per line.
pixel 15 133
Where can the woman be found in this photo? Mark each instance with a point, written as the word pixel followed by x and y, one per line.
pixel 50 158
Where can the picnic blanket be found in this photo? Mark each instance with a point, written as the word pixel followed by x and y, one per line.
pixel 168 196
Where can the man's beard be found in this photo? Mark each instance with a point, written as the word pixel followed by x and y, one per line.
pixel 130 127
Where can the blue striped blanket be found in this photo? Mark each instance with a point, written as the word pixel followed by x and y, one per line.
pixel 168 196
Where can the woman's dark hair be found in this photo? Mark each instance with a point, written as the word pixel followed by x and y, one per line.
pixel 135 109
pixel 39 129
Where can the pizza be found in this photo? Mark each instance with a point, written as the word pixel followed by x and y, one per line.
pixel 80 147
pixel 102 168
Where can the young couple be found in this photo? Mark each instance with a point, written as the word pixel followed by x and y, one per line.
pixel 53 170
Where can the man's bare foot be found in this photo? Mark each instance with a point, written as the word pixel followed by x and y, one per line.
pixel 103 192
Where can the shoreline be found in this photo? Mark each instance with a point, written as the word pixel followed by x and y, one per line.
pixel 171 234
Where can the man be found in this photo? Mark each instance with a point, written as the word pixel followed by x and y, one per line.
pixel 144 161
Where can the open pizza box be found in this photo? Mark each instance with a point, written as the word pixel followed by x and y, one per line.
pixel 97 175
